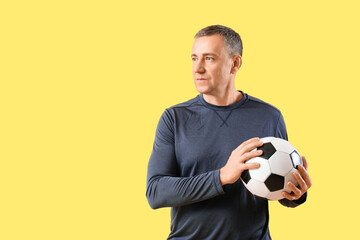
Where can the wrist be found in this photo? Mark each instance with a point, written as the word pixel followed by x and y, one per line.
pixel 223 178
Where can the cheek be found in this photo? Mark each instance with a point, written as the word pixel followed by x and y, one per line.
pixel 220 72
pixel 225 70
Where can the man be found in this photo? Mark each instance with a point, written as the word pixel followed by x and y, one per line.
pixel 201 147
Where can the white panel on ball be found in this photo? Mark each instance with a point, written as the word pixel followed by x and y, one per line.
pixel 280 163
pixel 266 139
pixel 259 187
pixel 275 195
pixel 282 145
pixel 261 173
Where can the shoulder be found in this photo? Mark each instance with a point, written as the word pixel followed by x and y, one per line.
pixel 257 103
pixel 270 113
pixel 180 109
pixel 191 104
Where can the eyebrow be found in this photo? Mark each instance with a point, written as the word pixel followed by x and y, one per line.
pixel 205 54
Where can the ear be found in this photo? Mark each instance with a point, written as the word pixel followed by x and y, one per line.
pixel 237 61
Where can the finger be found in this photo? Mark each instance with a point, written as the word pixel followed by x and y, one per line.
pixel 250 146
pixel 288 196
pixel 296 191
pixel 305 175
pixel 247 142
pixel 305 162
pixel 249 155
pixel 251 166
pixel 300 181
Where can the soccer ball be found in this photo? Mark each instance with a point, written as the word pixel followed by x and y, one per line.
pixel 277 164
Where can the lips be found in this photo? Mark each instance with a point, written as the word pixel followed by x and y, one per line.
pixel 201 79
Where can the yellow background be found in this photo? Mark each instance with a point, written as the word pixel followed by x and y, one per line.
pixel 83 85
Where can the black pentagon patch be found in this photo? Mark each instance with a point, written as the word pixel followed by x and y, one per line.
pixel 296 159
pixel 245 176
pixel 275 182
pixel 268 150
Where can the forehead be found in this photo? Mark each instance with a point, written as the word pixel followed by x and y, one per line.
pixel 208 44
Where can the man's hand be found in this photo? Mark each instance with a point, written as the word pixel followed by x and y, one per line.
pixel 303 180
pixel 236 163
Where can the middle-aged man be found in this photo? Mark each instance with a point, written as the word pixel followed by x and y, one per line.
pixel 201 147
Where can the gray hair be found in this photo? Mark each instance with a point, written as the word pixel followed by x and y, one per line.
pixel 232 39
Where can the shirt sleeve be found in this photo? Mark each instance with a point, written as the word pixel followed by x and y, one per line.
pixel 165 187
pixel 282 133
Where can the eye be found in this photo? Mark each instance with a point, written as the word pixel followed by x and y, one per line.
pixel 209 58
pixel 193 59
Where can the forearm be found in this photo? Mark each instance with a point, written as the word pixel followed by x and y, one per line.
pixel 167 191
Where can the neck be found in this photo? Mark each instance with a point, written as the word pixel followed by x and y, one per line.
pixel 224 99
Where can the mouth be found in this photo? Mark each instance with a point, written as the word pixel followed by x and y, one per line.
pixel 200 79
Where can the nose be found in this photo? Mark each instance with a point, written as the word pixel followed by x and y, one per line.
pixel 199 66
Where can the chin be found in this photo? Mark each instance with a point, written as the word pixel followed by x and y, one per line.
pixel 202 90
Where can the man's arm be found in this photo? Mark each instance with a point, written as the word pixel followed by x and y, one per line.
pixel 298 198
pixel 165 186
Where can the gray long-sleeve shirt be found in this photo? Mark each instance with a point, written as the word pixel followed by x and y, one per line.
pixel 193 141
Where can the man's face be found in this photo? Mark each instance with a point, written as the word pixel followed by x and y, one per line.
pixel 211 65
